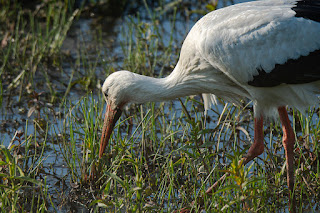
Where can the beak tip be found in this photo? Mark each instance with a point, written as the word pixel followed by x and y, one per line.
pixel 110 120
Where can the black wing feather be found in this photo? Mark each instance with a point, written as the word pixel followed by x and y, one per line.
pixel 305 69
pixel 309 9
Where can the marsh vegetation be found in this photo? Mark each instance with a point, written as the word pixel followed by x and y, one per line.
pixel 162 156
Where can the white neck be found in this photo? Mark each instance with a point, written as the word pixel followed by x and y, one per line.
pixel 150 89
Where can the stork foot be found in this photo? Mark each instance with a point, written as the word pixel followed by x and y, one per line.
pixel 255 150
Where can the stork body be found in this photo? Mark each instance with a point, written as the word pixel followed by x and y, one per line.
pixel 265 51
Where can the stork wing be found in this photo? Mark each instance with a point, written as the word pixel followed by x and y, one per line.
pixel 263 43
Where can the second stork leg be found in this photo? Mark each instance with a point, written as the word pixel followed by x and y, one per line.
pixel 288 144
pixel 255 150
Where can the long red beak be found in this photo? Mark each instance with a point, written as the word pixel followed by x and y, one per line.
pixel 110 120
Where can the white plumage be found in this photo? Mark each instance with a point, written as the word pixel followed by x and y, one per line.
pixel 222 53
pixel 239 39
pixel 264 51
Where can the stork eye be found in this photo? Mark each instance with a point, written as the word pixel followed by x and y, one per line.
pixel 105 94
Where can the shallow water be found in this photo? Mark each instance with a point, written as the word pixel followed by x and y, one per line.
pixel 14 116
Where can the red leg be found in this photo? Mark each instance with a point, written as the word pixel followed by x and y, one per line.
pixel 288 144
pixel 257 147
pixel 255 150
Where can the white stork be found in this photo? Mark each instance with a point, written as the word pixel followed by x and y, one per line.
pixel 265 51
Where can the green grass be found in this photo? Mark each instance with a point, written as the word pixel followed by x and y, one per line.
pixel 161 157
pixel 20 189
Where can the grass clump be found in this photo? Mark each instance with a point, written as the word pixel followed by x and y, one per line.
pixel 21 188
pixel 161 156
pixel 32 44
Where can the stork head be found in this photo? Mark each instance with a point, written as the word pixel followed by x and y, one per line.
pixel 116 91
